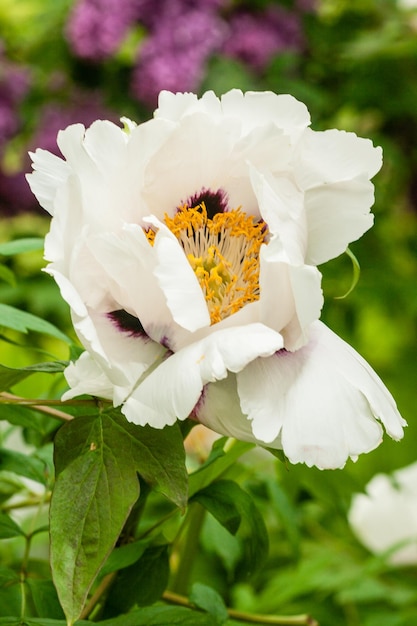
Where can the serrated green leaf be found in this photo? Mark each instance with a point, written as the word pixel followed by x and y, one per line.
pixel 13 318
pixel 141 583
pixel 95 490
pixel 9 528
pixel 23 465
pixel 25 244
pixel 220 498
pixel 10 376
pixel 209 600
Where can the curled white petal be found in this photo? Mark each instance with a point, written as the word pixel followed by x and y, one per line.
pixel 172 390
pixel 321 404
pixel 84 376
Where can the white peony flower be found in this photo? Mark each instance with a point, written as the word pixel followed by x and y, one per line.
pixel 187 249
pixel 385 518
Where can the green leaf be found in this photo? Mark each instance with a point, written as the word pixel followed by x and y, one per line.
pixel 142 583
pixel 23 416
pixel 23 465
pixel 217 463
pixel 10 376
pixel 124 556
pixel 13 318
pixel 34 621
pixel 286 513
pixel 7 275
pixel 159 457
pixel 45 598
pixel 95 490
pixel 160 615
pixel 356 268
pixel 225 500
pixel 10 599
pixel 9 528
pixel 217 500
pixel 209 600
pixel 25 244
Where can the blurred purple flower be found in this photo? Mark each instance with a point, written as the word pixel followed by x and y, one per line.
pixel 97 27
pixel 255 38
pixel 174 56
pixel 14 84
pixel 306 5
pixel 15 195
pixel 85 108
pixel 152 12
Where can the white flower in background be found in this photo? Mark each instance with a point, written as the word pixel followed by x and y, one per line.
pixel 407 4
pixel 187 249
pixel 385 518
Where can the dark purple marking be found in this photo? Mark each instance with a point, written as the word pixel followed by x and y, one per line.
pixel 127 323
pixel 215 201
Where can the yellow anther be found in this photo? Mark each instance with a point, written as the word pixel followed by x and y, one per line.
pixel 223 252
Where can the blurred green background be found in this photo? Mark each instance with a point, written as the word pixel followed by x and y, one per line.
pixel 354 64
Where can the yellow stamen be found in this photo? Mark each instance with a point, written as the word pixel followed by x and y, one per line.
pixel 224 254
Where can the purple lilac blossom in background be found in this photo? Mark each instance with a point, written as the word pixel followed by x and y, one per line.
pixel 14 84
pixel 174 57
pixel 254 38
pixel 179 39
pixel 96 28
pixel 181 36
pixel 15 195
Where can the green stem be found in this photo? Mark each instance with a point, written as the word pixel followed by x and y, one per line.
pixel 45 406
pixel 251 618
pixel 189 547
pixel 102 588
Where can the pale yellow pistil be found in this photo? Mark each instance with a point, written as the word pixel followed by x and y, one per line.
pixel 224 254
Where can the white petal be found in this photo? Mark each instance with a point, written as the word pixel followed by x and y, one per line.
pixel 84 376
pixel 386 516
pixel 105 143
pixel 196 155
pixel 174 106
pixel 332 156
pixel 291 297
pixel 257 108
pixel 308 297
pixel 281 206
pixel 184 296
pixel 219 409
pixel 50 172
pixel 321 402
pixel 122 356
pixel 135 271
pixel 172 390
pixel 337 214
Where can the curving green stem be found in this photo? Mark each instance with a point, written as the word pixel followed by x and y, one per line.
pixel 251 618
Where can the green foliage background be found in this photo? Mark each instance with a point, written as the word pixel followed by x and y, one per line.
pixel 357 72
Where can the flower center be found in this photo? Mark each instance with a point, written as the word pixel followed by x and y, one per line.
pixel 224 254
